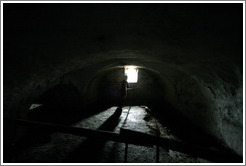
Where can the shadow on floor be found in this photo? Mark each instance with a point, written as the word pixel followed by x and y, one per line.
pixel 34 137
pixel 186 131
pixel 61 104
pixel 55 111
pixel 181 127
pixel 91 150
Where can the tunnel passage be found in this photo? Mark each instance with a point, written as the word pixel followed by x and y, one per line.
pixel 192 51
pixel 105 87
pixel 176 98
pixel 169 93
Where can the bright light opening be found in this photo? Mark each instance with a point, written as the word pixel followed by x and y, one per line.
pixel 132 74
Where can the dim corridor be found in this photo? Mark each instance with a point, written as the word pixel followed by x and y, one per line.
pixel 68 148
pixel 64 64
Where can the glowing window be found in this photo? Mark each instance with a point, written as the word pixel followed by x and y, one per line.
pixel 132 74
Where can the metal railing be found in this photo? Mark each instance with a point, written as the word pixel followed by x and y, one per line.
pixel 138 138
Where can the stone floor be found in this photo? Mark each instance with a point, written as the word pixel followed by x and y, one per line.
pixel 67 148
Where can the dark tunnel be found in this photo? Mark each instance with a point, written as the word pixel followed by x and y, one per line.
pixel 63 66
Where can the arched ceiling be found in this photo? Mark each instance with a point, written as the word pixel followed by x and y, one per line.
pixel 196 49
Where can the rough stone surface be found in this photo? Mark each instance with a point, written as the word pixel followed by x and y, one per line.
pixel 59 147
pixel 190 57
